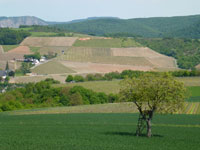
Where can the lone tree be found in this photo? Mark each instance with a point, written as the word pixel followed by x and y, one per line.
pixel 153 93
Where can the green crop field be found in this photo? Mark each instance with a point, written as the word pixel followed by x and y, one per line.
pixel 52 67
pixel 43 34
pixel 6 48
pixel 98 86
pixel 107 43
pixel 195 94
pixel 97 132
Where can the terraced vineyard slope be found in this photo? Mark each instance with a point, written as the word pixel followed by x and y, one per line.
pixel 48 41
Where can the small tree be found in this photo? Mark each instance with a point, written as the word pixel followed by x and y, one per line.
pixel 7 66
pixel 78 78
pixel 153 93
pixel 69 78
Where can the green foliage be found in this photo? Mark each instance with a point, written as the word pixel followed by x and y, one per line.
pixel 52 81
pixel 153 93
pixel 25 68
pixel 69 78
pixel 41 94
pixel 7 66
pixel 161 92
pixel 12 37
pixel 186 51
pixel 75 99
pixel 78 78
pixel 186 26
pixel 33 56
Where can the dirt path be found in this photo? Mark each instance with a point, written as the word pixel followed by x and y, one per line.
pixel 1 50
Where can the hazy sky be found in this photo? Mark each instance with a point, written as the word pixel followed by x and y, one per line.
pixel 66 10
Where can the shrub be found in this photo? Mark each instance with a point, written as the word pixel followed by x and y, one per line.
pixel 90 77
pixel 69 78
pixel 78 78
pixel 75 99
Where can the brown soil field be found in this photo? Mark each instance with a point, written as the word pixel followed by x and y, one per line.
pixel 84 67
pixel 58 50
pixel 1 50
pixel 157 59
pixel 198 67
pixel 3 65
pixel 136 52
pixel 20 50
pixel 48 41
pixel 10 56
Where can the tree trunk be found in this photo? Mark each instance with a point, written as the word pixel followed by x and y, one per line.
pixel 148 127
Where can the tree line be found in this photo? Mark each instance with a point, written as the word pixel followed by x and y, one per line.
pixel 186 51
pixel 129 74
pixel 12 37
pixel 42 94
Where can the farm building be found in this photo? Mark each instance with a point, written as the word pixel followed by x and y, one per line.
pixel 3 74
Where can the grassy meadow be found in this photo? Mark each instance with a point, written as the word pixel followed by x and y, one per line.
pixel 7 48
pixel 97 132
pixel 52 67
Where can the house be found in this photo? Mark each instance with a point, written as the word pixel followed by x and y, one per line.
pixel 43 59
pixel 3 74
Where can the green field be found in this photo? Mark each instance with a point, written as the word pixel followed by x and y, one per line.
pixel 6 48
pixel 192 108
pixel 97 132
pixel 52 67
pixel 107 43
pixel 98 86
pixel 195 93
pixel 43 34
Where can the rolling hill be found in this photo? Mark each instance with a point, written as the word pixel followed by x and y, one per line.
pixel 145 27
pixel 15 22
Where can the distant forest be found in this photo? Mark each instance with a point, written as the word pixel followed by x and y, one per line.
pixel 12 37
pixel 180 27
pixel 186 51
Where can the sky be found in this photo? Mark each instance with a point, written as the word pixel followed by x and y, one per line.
pixel 67 10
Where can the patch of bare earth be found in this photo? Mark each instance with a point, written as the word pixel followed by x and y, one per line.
pixel 20 50
pixel 1 50
pixel 198 67
pixel 88 67
pixel 11 56
pixel 48 41
pixel 156 59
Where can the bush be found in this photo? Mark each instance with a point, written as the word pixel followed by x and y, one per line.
pixel 90 77
pixel 78 78
pixel 69 78
pixel 75 99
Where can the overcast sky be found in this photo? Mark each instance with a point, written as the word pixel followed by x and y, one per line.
pixel 66 10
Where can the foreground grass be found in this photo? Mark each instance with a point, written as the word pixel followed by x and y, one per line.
pixel 97 132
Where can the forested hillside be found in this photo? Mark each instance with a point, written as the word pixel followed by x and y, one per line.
pixel 185 26
pixel 12 37
pixel 186 51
